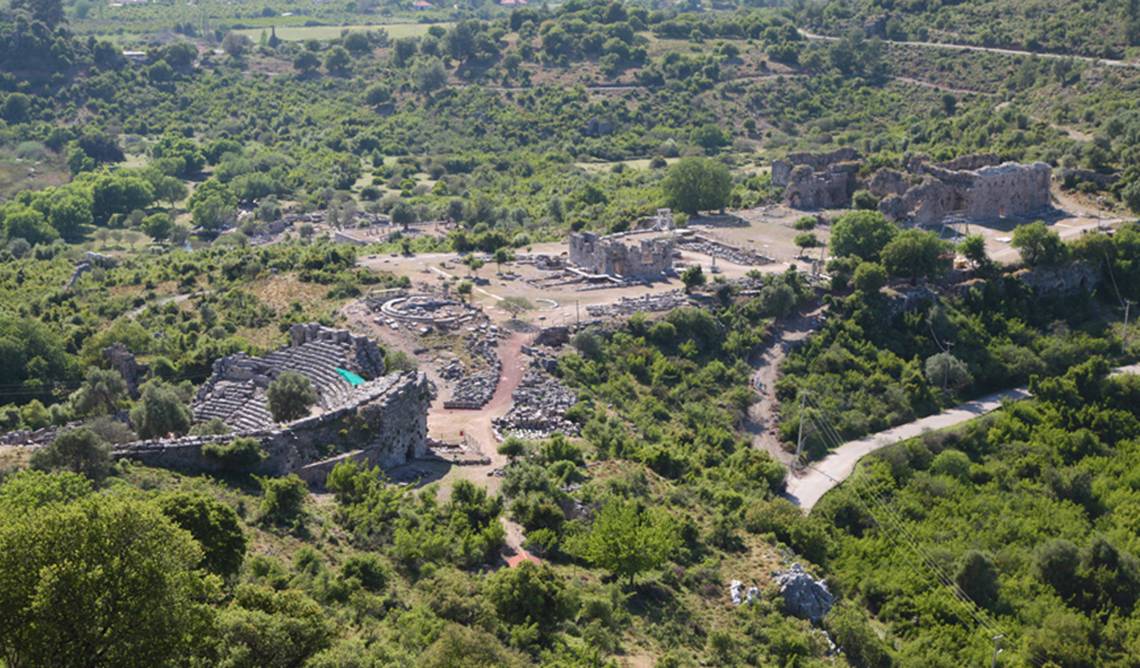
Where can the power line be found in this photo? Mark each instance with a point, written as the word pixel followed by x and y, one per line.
pixel 889 521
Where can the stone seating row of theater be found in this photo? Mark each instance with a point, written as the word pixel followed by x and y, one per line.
pixel 236 391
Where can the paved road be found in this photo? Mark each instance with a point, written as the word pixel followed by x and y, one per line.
pixel 990 49
pixel 807 489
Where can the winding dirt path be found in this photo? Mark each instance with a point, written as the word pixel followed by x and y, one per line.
pixel 987 49
pixel 475 427
pixel 762 414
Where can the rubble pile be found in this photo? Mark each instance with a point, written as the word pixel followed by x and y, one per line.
pixel 741 595
pixel 476 389
pixel 717 249
pixel 665 301
pixel 539 404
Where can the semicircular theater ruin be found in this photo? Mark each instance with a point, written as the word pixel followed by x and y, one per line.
pixel 361 413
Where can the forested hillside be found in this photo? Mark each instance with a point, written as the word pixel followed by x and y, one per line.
pixel 223 214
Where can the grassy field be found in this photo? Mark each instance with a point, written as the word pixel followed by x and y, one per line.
pixel 298 33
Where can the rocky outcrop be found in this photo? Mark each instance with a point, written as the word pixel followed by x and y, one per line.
pixel 121 359
pixel 827 189
pixel 804 596
pixel 1069 280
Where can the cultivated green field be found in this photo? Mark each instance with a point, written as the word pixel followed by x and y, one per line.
pixel 299 33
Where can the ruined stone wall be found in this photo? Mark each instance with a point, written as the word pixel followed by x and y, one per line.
pixel 388 422
pixel 615 255
pixel 818 162
pixel 1009 189
pixel 830 189
pixel 989 192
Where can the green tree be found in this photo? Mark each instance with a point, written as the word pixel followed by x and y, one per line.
pixel 709 137
pixel 697 184
pixel 502 256
pixel 212 214
pixel 213 524
pixel 290 396
pixel 158 226
pixel 806 240
pixel 978 578
pixel 30 489
pixel 235 45
pixel 24 222
pixel 862 234
pixel 1058 562
pixel 853 634
pixel 68 210
pixel 101 393
pixel 264 628
pixel 103 581
pixel 627 539
pixel 529 594
pixel 430 75
pixel 693 277
pixel 464 289
pixel 1039 245
pixel 973 248
pixel 463 647
pixel 947 371
pixel 337 61
pixel 306 62
pixel 512 447
pixel 118 192
pixel 377 94
pixel 161 410
pixel 915 253
pixel 283 500
pixel 79 451
pixel 870 277
pixel 515 305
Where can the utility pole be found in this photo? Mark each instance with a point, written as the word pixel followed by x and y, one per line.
pixel 800 437
pixel 1124 338
pixel 997 650
pixel 577 314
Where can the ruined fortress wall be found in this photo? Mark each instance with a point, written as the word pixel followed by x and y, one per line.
pixel 818 162
pixel 388 422
pixel 831 189
pixel 988 193
pixel 1009 189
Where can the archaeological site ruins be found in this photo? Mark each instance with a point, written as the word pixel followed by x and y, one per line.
pixel 361 413
pixel 627 255
pixel 817 180
pixel 974 187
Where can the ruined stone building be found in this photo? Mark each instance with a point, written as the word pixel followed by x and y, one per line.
pixel 817 180
pixel 624 255
pixel 361 412
pixel 976 187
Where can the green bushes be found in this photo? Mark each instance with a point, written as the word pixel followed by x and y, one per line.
pixel 290 396
pixel 239 454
